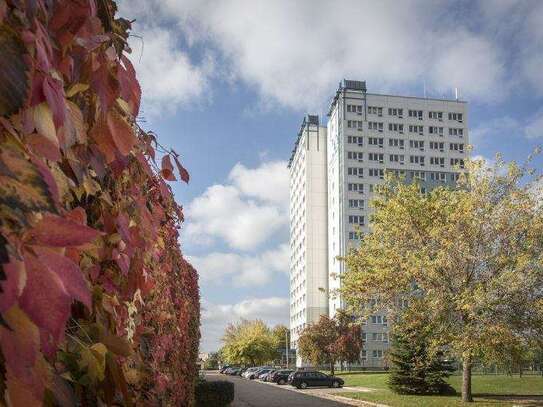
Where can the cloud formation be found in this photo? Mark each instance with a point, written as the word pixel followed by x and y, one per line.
pixel 246 212
pixel 215 317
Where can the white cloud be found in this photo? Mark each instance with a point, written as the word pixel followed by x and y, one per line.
pixel 269 182
pixel 215 317
pixel 168 77
pixel 493 128
pixel 242 270
pixel 243 214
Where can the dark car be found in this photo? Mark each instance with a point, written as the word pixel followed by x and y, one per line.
pixel 223 369
pixel 234 371
pixel 280 376
pixel 310 378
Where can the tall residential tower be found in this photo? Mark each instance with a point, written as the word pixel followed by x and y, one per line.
pixel 367 135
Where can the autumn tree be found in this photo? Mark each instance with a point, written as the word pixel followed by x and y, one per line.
pixel 248 343
pixel 331 340
pixel 474 251
pixel 281 336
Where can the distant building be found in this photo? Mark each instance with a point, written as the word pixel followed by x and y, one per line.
pixel 367 135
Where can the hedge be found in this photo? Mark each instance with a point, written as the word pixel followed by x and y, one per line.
pixel 216 394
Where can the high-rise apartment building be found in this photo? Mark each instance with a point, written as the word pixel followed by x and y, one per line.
pixel 308 228
pixel 367 136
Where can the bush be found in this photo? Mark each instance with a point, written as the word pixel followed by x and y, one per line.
pixel 217 394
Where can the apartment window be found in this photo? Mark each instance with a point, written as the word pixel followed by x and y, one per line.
pixel 355 187
pixel 377 126
pixel 356 220
pixel 416 129
pixel 355 155
pixel 438 176
pixel 397 173
pixel 420 175
pixel 415 113
pixel 437 161
pixel 396 127
pixel 457 161
pixel 416 144
pixel 417 159
pixel 456 147
pixel 396 158
pixel 354 108
pixel 375 157
pixel 435 130
pixel 435 145
pixel 355 171
pixel 356 203
pixel 395 142
pixel 355 140
pixel 375 141
pixel 354 236
pixel 364 354
pixel 376 172
pixel 354 124
pixel 435 115
pixel 375 110
pixel 456 116
pixel 379 336
pixel 377 353
pixel 456 132
pixel 378 320
pixel 395 112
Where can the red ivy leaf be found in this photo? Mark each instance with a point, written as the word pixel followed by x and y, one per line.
pixel 167 168
pixel 57 231
pixel 54 94
pixel 183 173
pixel 122 133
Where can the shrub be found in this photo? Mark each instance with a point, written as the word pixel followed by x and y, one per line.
pixel 217 394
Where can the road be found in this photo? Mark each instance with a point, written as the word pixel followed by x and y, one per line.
pixel 250 393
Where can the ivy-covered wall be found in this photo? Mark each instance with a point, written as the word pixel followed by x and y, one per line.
pixel 97 304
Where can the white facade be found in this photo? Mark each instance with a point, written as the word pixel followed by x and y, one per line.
pixel 367 135
pixel 308 228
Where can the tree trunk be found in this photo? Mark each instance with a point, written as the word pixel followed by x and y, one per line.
pixel 466 380
pixel 332 368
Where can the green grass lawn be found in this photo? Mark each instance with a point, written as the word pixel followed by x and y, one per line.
pixel 486 390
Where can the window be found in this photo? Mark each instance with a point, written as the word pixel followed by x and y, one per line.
pixel 457 161
pixel 395 142
pixel 395 112
pixel 377 126
pixel 376 172
pixel 420 175
pixel 397 173
pixel 456 147
pixel 396 127
pixel 375 141
pixel 456 132
pixel 356 187
pixel 375 110
pixel 356 203
pixel 377 353
pixel 396 158
pixel 416 159
pixel 355 155
pixel 356 220
pixel 456 116
pixel 355 140
pixel 416 144
pixel 364 355
pixel 435 115
pixel 416 129
pixel 354 236
pixel 379 337
pixel 437 161
pixel 354 108
pixel 435 130
pixel 376 157
pixel 415 113
pixel 438 176
pixel 435 145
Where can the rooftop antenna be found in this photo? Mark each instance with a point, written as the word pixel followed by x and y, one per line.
pixel 424 88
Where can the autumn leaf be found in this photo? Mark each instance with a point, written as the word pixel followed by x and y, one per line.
pixel 13 71
pixel 57 231
pixel 93 360
pixel 121 132
pixel 167 168
pixel 183 173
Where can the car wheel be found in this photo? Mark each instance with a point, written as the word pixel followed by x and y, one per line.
pixel 303 385
pixel 336 384
pixel 281 381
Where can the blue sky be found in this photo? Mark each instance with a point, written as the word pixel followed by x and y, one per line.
pixel 226 84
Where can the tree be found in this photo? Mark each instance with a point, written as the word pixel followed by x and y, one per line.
pixel 474 251
pixel 212 361
pixel 418 362
pixel 248 342
pixel 331 340
pixel 281 336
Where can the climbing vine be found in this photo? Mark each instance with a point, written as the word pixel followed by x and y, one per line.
pixel 97 303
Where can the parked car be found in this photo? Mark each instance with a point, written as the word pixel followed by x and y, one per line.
pixel 310 378
pixel 223 369
pixel 263 373
pixel 249 371
pixel 267 377
pixel 254 375
pixel 242 370
pixel 233 371
pixel 280 376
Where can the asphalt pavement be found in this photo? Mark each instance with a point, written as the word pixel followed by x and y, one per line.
pixel 251 393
